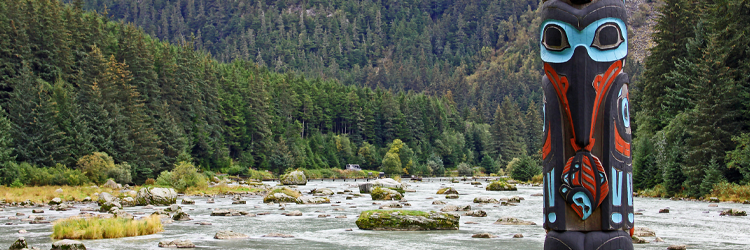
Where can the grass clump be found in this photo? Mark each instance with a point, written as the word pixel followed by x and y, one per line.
pixel 96 228
pixel 44 194
pixel 500 186
pixel 222 189
pixel 731 192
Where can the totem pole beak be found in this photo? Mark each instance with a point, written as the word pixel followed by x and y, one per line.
pixel 582 205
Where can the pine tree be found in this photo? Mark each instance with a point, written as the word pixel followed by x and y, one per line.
pixel 37 138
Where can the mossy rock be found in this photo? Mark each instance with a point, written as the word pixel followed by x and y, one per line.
pixel 294 178
pixel 312 200
pixel 406 220
pixel 500 186
pixel 282 195
pixel 381 193
pixel 447 190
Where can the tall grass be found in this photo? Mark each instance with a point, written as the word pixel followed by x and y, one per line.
pixel 731 192
pixel 96 228
pixel 327 173
pixel 46 193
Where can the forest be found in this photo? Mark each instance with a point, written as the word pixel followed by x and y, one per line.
pixel 408 87
pixel 691 105
pixel 79 89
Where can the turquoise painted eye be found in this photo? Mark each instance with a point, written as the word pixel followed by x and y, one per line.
pixel 625 112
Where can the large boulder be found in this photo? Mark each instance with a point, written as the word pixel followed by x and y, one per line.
pixel 294 178
pixel 107 206
pixel 322 192
pixel 128 202
pixel 406 220
pixel 513 221
pixel 367 187
pixel 282 195
pixel 447 190
pixel 643 232
pixel 312 200
pixel 228 235
pixel 105 197
pixel 177 243
pixel 501 186
pixel 733 212
pixel 19 244
pixel 181 216
pixel 379 193
pixel 55 201
pixel 156 196
pixel 68 245
pixel 111 184
pixel 485 199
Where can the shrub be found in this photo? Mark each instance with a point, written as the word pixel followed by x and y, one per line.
pixel 17 175
pixel 537 179
pixel 465 170
pixel 525 168
pixel 99 167
pixel 237 170
pixel 150 181
pixel 183 175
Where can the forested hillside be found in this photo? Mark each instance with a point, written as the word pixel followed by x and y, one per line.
pixel 73 83
pixel 428 46
pixel 691 104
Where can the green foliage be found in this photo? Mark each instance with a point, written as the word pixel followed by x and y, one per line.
pixel 436 165
pixel 739 158
pixel 183 176
pixel 713 177
pixel 99 167
pixel 525 169
pixel 15 174
pixel 465 170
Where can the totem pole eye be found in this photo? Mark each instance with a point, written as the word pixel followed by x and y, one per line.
pixel 608 36
pixel 555 38
pixel 625 112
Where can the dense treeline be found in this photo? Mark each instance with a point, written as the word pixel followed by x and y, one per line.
pixel 431 46
pixel 74 83
pixel 691 106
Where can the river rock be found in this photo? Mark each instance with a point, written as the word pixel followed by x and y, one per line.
pixel 59 191
pixel 485 199
pixel 382 193
pixel 278 235
pixel 86 199
pixel 68 245
pixel 187 201
pixel 19 244
pixel 713 199
pixel 367 187
pixel 37 211
pixel 107 206
pixel 476 183
pixel 515 199
pixel 156 196
pixel 210 201
pixel 105 197
pixel 221 212
pixel 513 221
pixel 312 200
pixel 733 212
pixel 111 184
pixel 294 178
pixel 452 208
pixel 22 231
pixel 177 244
pixel 713 205
pixel 537 194
pixel 228 235
pixel 181 216
pixel 402 220
pixel 643 232
pixel 664 211
pixel 447 190
pixel 239 202
pixel 501 186
pixel 677 247
pixel 391 205
pixel 451 196
pixel 638 240
pixel 279 198
pixel 477 213
pixel 746 202
pixel 438 202
pixel 294 213
pixel 173 208
pixel 483 235
pixel 55 201
pixel 517 236
pixel 128 202
pixel 322 192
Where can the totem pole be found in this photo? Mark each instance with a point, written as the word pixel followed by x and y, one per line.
pixel 588 180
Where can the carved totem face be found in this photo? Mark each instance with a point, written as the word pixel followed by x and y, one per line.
pixel 586 116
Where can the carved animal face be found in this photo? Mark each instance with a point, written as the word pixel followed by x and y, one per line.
pixel 583 46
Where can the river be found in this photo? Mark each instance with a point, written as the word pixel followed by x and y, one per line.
pixel 692 223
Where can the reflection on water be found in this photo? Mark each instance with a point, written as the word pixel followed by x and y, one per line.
pixel 687 223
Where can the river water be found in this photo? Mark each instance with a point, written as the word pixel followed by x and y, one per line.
pixel 692 223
